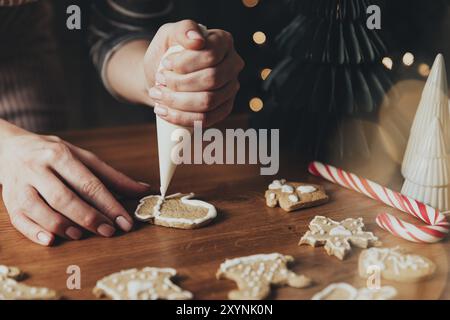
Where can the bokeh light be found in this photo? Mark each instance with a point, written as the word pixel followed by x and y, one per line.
pixel 259 37
pixel 408 59
pixel 388 63
pixel 250 3
pixel 424 69
pixel 256 104
pixel 265 73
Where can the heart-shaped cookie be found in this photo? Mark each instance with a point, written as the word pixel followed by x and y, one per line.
pixel 175 211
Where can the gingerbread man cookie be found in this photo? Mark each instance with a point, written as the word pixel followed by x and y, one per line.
pixel 337 236
pixel 255 274
pixel 10 289
pixel 292 196
pixel 175 211
pixel 145 284
pixel 344 291
pixel 395 264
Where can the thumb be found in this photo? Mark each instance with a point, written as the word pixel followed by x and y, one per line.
pixel 188 34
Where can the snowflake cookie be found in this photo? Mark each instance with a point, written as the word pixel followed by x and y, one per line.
pixel 145 284
pixel 255 274
pixel 337 236
pixel 395 264
pixel 344 291
pixel 175 211
pixel 292 196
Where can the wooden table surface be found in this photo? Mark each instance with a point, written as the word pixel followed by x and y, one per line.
pixel 244 226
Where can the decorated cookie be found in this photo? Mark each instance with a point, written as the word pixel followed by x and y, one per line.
pixel 395 264
pixel 337 236
pixel 175 211
pixel 344 291
pixel 10 289
pixel 145 284
pixel 292 196
pixel 255 274
pixel 10 272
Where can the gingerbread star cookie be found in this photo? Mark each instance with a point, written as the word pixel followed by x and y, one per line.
pixel 344 291
pixel 255 274
pixel 337 236
pixel 175 211
pixel 292 196
pixel 395 264
pixel 11 289
pixel 145 284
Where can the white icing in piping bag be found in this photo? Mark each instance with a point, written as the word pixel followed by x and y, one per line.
pixel 164 131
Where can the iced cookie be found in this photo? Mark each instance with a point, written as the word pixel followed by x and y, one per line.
pixel 292 196
pixel 255 274
pixel 337 236
pixel 145 284
pixel 344 291
pixel 10 289
pixel 10 272
pixel 395 264
pixel 175 211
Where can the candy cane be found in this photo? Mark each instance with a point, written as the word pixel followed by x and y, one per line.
pixel 436 227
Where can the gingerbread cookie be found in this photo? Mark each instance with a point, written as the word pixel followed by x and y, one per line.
pixel 145 284
pixel 337 236
pixel 10 289
pixel 10 272
pixel 175 211
pixel 255 274
pixel 292 196
pixel 344 291
pixel 395 264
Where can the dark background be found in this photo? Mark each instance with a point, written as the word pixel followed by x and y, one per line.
pixel 417 26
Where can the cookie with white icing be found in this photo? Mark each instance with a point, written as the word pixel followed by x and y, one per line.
pixel 175 211
pixel 255 274
pixel 344 291
pixel 292 196
pixel 145 284
pixel 337 237
pixel 10 289
pixel 395 264
pixel 11 272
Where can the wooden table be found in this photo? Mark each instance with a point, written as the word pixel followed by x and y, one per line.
pixel 244 226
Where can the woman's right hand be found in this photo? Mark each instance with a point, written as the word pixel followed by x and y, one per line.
pixel 53 188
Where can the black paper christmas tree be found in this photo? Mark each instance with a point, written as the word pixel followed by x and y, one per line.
pixel 330 67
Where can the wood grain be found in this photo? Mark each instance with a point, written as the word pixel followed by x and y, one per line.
pixel 244 226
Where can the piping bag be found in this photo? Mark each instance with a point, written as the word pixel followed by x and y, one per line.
pixel 164 131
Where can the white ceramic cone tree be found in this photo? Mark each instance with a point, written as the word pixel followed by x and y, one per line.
pixel 426 162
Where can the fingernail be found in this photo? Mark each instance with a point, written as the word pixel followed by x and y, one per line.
pixel 73 233
pixel 44 238
pixel 123 223
pixel 167 64
pixel 144 184
pixel 155 93
pixel 106 230
pixel 160 78
pixel 194 35
pixel 160 111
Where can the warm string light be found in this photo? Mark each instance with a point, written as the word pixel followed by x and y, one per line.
pixel 424 70
pixel 259 37
pixel 256 104
pixel 250 3
pixel 265 73
pixel 388 63
pixel 408 59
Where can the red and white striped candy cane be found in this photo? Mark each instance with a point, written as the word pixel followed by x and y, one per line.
pixel 436 227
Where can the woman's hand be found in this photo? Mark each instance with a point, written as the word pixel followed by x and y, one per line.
pixel 199 83
pixel 52 188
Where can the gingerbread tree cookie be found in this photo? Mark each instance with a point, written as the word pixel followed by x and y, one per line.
pixel 337 236
pixel 344 291
pixel 292 196
pixel 255 274
pixel 395 264
pixel 175 211
pixel 11 289
pixel 145 284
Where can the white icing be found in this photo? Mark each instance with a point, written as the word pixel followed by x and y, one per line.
pixel 135 288
pixel 340 231
pixel 229 263
pixel 287 189
pixel 384 293
pixel 306 189
pixel 293 198
pixel 272 196
pixel 350 290
pixel 211 214
pixel 276 184
pixel 4 270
